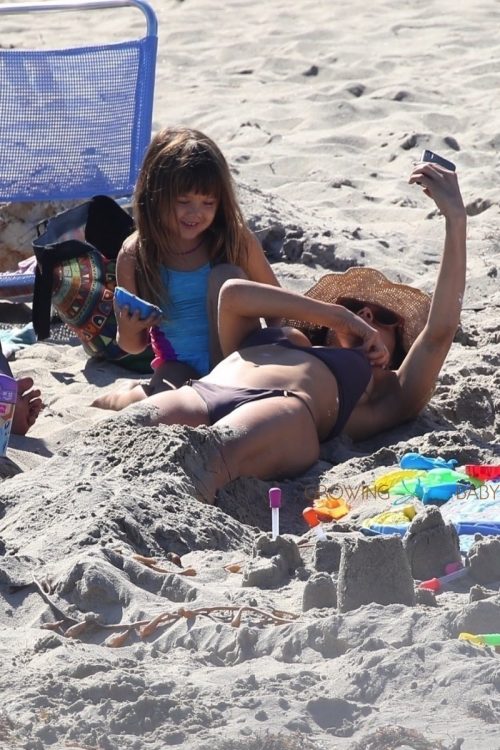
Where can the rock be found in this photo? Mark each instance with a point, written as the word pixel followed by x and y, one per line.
pixel 18 223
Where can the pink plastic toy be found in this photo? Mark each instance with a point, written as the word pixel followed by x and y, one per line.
pixel 275 505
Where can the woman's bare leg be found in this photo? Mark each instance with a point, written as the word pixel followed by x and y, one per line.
pixel 180 406
pixel 169 376
pixel 204 465
pixel 272 438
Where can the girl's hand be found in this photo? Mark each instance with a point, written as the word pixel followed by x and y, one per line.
pixel 132 321
pixel 441 185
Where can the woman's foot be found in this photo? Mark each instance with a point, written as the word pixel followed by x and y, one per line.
pixel 136 390
pixel 131 393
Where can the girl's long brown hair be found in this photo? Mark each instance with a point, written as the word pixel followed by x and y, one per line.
pixel 179 161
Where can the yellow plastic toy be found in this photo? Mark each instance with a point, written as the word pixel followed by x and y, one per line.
pixel 481 639
pixel 331 508
pixel 391 517
pixel 387 481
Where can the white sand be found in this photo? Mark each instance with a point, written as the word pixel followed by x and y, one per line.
pixel 320 108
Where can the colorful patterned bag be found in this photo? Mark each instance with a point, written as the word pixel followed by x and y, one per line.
pixel 76 260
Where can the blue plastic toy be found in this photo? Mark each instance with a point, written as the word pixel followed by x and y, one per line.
pixel 416 461
pixel 135 304
pixel 438 493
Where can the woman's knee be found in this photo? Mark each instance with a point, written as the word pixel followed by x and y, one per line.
pixel 182 406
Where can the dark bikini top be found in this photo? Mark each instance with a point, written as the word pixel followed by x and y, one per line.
pixel 350 368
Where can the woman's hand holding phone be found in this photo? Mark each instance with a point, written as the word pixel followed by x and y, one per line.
pixel 438 178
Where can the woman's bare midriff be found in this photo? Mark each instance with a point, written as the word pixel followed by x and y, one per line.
pixel 272 366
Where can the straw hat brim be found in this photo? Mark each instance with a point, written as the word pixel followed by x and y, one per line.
pixel 368 285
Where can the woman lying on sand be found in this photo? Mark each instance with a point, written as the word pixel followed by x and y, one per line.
pixel 385 346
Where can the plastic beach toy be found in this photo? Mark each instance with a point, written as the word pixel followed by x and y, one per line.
pixel 388 481
pixel 485 473
pixel 434 478
pixel 330 508
pixel 416 461
pixel 482 639
pixel 391 517
pixel 438 584
pixel 275 505
pixel 439 493
pixel 312 520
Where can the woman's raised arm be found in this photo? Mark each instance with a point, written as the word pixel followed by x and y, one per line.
pixel 419 371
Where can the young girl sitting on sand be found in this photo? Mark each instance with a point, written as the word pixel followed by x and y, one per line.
pixel 276 396
pixel 188 224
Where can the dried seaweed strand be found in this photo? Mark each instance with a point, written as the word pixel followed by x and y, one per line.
pixel 51 603
pixel 152 563
pixel 144 628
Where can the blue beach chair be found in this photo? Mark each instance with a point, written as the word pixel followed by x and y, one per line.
pixel 74 122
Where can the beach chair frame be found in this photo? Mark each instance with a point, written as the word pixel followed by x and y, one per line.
pixel 75 122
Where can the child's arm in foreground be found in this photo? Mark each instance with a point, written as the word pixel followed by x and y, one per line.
pixel 132 332
pixel 242 303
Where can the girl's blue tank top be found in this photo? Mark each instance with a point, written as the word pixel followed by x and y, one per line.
pixel 184 333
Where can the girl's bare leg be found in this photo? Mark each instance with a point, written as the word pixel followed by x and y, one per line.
pixel 169 376
pixel 218 275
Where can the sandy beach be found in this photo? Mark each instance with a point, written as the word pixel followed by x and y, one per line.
pixel 134 617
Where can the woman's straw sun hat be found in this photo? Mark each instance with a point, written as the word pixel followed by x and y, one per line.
pixel 368 285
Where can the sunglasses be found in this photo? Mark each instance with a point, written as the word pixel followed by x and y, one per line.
pixel 381 315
